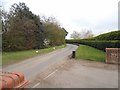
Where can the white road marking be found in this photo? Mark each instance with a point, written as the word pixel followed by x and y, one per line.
pixel 50 74
pixel 36 85
pixel 44 79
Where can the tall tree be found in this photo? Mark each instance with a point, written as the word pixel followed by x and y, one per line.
pixel 24 29
pixel 54 33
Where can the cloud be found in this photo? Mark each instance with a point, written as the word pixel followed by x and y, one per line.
pixel 98 15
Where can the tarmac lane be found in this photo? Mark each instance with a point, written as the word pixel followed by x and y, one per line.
pixel 31 67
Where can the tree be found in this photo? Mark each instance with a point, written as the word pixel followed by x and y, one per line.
pixel 0 29
pixel 75 35
pixel 3 25
pixel 20 34
pixel 24 30
pixel 53 32
pixel 86 33
pixel 0 20
pixel 3 19
pixel 40 33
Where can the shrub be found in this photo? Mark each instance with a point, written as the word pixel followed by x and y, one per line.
pixel 114 35
pixel 101 45
pixel 106 40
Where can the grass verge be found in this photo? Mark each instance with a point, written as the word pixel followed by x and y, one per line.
pixel 13 57
pixel 90 53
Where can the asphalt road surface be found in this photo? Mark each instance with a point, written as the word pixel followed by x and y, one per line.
pixel 78 74
pixel 56 70
pixel 31 67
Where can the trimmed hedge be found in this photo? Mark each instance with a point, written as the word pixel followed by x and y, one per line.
pixel 106 40
pixel 114 35
pixel 101 45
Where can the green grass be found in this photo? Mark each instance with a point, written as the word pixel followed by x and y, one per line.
pixel 13 57
pixel 90 53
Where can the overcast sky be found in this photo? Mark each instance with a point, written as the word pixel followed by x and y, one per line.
pixel 100 16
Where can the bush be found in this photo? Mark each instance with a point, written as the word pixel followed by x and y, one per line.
pixel 101 45
pixel 106 40
pixel 114 35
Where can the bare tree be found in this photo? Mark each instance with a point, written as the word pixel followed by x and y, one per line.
pixel 75 35
pixel 86 33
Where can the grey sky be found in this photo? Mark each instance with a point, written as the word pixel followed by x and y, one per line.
pixel 100 16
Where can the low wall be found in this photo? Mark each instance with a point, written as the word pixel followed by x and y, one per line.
pixel 113 55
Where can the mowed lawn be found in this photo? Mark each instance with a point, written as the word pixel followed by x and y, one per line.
pixel 90 53
pixel 13 57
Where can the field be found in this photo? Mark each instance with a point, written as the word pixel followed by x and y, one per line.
pixel 90 53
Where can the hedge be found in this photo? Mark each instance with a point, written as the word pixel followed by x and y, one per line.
pixel 114 35
pixel 101 45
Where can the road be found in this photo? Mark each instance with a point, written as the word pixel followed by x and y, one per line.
pixel 56 70
pixel 31 67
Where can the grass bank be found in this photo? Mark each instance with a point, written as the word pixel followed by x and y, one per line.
pixel 90 53
pixel 13 57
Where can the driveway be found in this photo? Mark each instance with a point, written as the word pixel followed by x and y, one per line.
pixel 78 74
